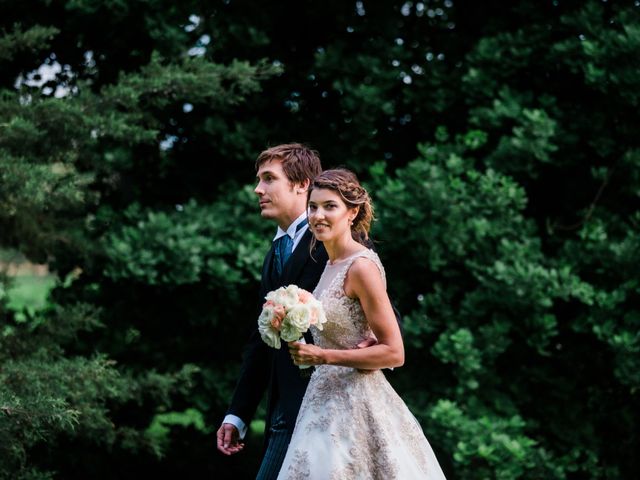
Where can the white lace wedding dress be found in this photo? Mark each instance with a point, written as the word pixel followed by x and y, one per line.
pixel 352 424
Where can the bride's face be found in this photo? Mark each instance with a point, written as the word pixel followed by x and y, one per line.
pixel 329 216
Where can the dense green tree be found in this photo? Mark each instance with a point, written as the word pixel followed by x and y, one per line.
pixel 499 142
pixel 73 153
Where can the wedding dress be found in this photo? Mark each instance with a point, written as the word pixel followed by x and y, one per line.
pixel 352 424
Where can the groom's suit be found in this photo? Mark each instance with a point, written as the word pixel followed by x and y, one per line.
pixel 265 368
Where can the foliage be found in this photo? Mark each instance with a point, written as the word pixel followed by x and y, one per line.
pixel 499 143
pixel 189 245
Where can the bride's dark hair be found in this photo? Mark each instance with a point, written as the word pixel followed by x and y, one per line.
pixel 346 184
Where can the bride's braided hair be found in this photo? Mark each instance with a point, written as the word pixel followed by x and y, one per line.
pixel 346 184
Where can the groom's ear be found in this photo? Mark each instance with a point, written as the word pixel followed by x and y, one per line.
pixel 303 186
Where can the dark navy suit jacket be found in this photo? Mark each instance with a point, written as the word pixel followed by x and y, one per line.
pixel 266 368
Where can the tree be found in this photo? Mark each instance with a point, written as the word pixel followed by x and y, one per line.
pixel 499 144
pixel 65 164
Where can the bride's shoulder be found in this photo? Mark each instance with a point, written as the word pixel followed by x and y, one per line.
pixel 365 264
pixel 365 275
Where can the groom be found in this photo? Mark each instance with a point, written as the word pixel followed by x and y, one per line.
pixel 284 174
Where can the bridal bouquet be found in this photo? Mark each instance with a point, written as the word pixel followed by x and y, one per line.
pixel 287 314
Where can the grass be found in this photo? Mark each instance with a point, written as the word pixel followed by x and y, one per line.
pixel 159 429
pixel 29 291
pixel 257 427
pixel 29 285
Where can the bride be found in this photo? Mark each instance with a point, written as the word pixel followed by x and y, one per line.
pixel 352 424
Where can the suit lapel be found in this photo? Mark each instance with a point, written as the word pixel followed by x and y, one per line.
pixel 269 280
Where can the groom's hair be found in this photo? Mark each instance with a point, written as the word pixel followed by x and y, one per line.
pixel 299 162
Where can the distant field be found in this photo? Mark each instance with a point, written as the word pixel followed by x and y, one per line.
pixel 30 282
pixel 30 291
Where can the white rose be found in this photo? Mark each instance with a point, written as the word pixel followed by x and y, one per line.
pixel 282 296
pixel 272 296
pixel 289 296
pixel 265 316
pixel 318 314
pixel 269 335
pixel 296 322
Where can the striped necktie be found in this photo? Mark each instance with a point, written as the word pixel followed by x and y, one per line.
pixel 283 247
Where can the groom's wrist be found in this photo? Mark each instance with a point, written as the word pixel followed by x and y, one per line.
pixel 238 423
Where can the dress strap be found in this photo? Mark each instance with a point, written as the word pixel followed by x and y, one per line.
pixel 366 253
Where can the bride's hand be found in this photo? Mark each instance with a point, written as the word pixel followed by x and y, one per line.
pixel 306 354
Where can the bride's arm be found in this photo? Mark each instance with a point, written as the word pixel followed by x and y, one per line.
pixel 365 282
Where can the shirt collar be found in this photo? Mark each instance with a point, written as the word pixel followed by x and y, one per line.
pixel 291 230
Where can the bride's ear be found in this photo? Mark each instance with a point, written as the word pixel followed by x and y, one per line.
pixel 355 211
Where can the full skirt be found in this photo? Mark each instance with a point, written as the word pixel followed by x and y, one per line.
pixel 353 425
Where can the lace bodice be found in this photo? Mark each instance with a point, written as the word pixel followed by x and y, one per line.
pixel 346 324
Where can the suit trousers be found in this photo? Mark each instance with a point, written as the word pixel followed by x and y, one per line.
pixel 279 439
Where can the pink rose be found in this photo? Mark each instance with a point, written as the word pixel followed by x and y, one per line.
pixel 278 316
pixel 268 303
pixel 314 316
pixel 304 296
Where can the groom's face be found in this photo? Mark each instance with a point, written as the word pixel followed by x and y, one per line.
pixel 277 195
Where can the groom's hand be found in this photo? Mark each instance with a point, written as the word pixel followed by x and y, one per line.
pixel 229 439
pixel 367 342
